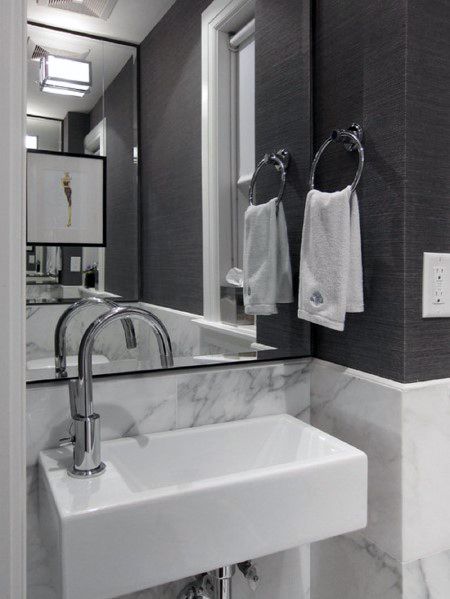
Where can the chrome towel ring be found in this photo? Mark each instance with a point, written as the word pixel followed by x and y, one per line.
pixel 280 160
pixel 351 138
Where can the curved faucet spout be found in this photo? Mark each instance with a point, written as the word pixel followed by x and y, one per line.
pixel 84 401
pixel 87 458
pixel 63 323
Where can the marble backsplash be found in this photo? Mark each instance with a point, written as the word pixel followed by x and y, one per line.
pixel 133 405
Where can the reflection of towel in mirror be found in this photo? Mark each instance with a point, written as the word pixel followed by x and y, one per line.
pixel 267 265
pixel 331 279
pixel 53 262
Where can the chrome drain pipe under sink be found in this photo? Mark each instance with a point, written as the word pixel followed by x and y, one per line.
pixel 222 582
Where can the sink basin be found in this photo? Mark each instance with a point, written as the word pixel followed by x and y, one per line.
pixel 174 504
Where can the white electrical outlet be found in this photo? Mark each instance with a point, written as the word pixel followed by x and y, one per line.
pixel 75 264
pixel 436 285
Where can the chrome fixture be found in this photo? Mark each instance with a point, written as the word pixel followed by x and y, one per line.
pixel 63 323
pixel 351 138
pixel 219 583
pixel 281 161
pixel 222 582
pixel 65 76
pixel 85 422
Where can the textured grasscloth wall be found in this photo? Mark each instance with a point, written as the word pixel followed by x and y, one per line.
pixel 76 127
pixel 283 119
pixel 122 263
pixel 172 270
pixel 360 75
pixel 171 135
pixel 428 180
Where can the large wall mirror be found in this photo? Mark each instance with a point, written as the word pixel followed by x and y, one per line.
pixel 180 127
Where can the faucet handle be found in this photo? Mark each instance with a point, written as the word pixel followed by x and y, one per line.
pixel 250 574
pixel 70 440
pixel 66 441
pixel 74 391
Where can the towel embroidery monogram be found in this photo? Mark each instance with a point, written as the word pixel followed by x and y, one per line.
pixel 316 299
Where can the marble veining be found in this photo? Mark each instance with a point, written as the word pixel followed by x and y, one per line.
pixel 426 470
pixel 351 567
pixel 403 428
pixel 428 578
pixel 210 397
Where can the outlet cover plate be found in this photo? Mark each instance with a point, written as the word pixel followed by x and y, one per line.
pixel 436 285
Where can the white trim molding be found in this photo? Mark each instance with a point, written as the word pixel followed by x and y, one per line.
pixel 220 19
pixel 12 299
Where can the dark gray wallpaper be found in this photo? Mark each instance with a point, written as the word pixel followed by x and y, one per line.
pixel 283 119
pixel 67 277
pixel 382 64
pixel 122 250
pixel 359 75
pixel 427 341
pixel 172 265
pixel 76 127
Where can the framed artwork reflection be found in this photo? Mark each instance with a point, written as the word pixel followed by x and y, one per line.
pixel 66 199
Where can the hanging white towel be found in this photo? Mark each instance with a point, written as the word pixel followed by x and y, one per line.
pixel 53 263
pixel 331 280
pixel 267 264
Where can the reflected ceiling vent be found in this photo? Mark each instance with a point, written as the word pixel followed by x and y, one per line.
pixel 101 9
pixel 36 52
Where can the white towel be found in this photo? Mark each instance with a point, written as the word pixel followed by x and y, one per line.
pixel 267 265
pixel 53 263
pixel 331 280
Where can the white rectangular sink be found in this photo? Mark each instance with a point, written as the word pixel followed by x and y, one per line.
pixel 175 504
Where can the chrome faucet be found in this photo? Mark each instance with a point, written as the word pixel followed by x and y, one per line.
pixel 86 423
pixel 63 323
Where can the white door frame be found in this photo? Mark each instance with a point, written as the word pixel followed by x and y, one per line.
pixel 218 20
pixel 12 299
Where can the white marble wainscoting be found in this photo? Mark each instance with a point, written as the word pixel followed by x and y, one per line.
pixel 405 431
pixel 146 403
pixel 351 567
pixel 428 578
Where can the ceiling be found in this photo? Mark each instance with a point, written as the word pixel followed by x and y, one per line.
pixel 130 21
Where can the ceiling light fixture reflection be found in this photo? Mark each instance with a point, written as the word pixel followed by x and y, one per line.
pixel 62 91
pixel 66 76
